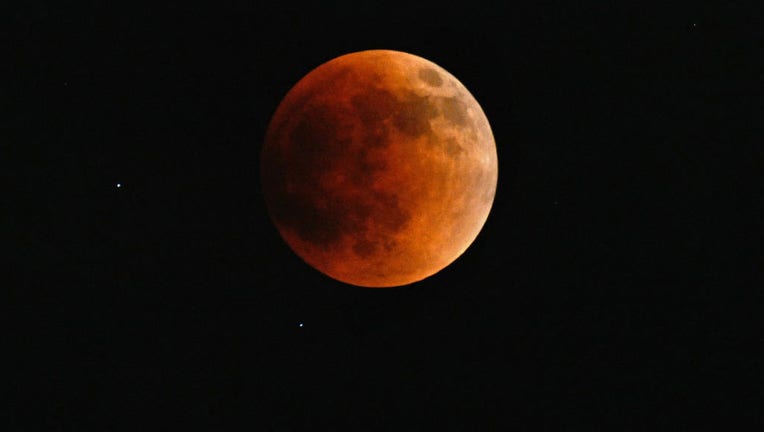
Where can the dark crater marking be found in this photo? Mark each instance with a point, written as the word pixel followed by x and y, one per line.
pixel 430 76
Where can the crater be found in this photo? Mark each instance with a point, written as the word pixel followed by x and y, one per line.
pixel 455 111
pixel 414 115
pixel 430 76
pixel 452 147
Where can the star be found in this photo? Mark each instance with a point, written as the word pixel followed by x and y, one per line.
pixel 300 324
pixel 119 185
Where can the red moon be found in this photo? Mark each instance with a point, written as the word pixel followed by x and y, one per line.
pixel 379 168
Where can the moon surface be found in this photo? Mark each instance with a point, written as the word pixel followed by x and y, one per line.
pixel 379 168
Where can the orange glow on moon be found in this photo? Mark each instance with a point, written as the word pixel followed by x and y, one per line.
pixel 379 168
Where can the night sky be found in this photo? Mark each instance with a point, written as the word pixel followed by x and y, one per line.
pixel 615 286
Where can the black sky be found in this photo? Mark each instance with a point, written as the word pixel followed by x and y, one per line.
pixel 615 286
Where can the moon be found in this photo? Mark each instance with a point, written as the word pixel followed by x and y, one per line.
pixel 379 168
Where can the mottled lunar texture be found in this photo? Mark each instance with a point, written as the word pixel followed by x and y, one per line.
pixel 379 168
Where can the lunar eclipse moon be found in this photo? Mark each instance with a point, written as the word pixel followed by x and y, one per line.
pixel 379 168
